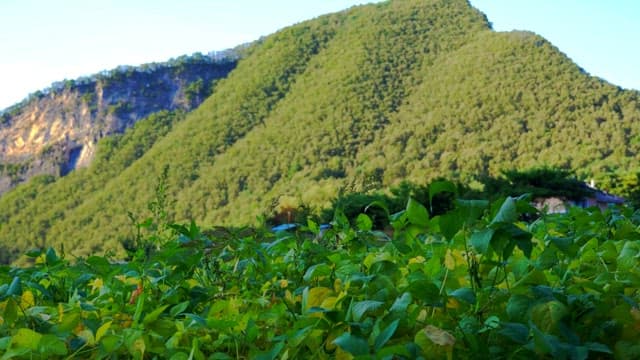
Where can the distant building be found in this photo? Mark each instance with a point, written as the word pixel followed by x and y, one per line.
pixel 559 204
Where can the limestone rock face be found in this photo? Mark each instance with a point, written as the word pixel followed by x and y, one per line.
pixel 55 131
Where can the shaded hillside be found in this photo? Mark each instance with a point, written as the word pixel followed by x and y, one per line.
pixel 357 100
pixel 54 131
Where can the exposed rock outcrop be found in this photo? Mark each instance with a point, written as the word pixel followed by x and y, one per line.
pixel 55 131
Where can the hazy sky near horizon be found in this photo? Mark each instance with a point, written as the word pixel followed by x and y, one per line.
pixel 43 41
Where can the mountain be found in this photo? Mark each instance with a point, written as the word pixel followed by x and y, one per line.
pixel 55 131
pixel 351 101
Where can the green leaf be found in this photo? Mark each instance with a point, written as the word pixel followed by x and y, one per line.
pixel 313 226
pixel 518 307
pixel 179 356
pixel 438 187
pixel 401 242
pixel 417 213
pixel 597 347
pixel 139 306
pixel 15 352
pixel 352 344
pixel 26 338
pixel 386 334
pixel 271 354
pixel 5 342
pixel 450 223
pixel 34 253
pixel 507 212
pixel 547 259
pixel 401 304
pixel 15 289
pixel 378 204
pixel 480 240
pixel 364 223
pixel 362 307
pixel 315 271
pixel 179 308
pixel 465 294
pixel 152 316
pixel 518 333
pixel 628 257
pixel 10 314
pixel 471 210
pixel 102 330
pixel 51 345
pixel 69 321
pixel 51 256
pixel 546 316
pixel 423 289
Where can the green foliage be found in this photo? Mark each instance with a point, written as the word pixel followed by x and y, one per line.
pixel 539 182
pixel 32 214
pixel 564 286
pixel 352 102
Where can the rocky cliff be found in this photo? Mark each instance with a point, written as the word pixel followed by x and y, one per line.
pixel 54 131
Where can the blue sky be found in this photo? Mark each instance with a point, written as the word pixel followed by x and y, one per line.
pixel 42 41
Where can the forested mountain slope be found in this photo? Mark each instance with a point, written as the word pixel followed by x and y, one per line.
pixel 355 100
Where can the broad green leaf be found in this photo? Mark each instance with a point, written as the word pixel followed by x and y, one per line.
pixel 179 356
pixel 352 344
pixel 316 271
pixel 314 297
pixel 546 316
pixel 5 342
pixel 628 257
pixel 362 307
pixel 518 307
pixel 608 251
pixel 543 343
pixel 401 304
pixel 15 352
pixel 153 316
pixel 481 240
pixel 379 204
pixel 15 289
pixel 547 259
pixel 10 314
pixel 364 223
pixel 179 308
pixel 386 334
pixel 26 338
pixel 34 253
pixel 516 332
pixel 564 244
pixel 102 330
pixel 111 343
pixel 51 256
pixel 52 345
pixel 465 294
pixel 597 347
pixel 69 321
pixel 401 242
pixel 417 213
pixel 471 210
pixel 450 223
pixel 507 212
pixel 438 187
pixel 313 226
pixel 270 354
